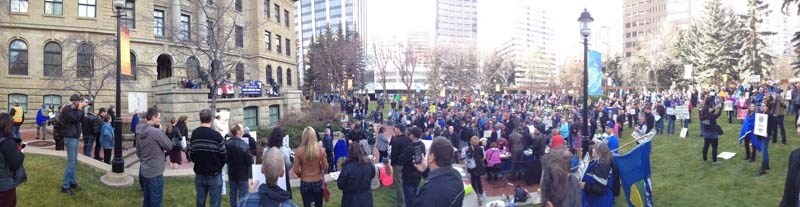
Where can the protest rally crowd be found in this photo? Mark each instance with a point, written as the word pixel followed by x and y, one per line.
pixel 432 151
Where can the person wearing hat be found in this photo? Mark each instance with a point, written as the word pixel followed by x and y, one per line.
pixel 611 140
pixel 18 114
pixel 70 118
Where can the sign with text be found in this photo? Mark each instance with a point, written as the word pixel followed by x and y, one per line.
pixel 137 102
pixel 761 124
pixel 728 105
pixel 682 112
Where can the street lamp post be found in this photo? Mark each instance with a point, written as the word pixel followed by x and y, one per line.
pixel 117 176
pixel 585 19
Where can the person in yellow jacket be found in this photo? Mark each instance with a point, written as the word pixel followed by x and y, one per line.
pixel 432 108
pixel 18 114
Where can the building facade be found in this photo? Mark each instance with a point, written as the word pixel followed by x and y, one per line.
pixel 457 23
pixel 53 49
pixel 642 18
pixel 313 17
pixel 529 44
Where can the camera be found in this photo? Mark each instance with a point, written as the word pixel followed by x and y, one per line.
pixel 417 155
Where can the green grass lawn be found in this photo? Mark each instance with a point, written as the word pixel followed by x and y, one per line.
pixel 680 178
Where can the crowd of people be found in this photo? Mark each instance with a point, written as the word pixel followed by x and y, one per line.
pixel 536 139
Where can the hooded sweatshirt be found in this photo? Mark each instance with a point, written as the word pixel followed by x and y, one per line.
pixel 268 196
pixel 151 146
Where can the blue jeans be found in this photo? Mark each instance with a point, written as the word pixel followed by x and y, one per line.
pixel 410 192
pixel 660 126
pixel 208 186
pixel 238 190
pixel 764 154
pixel 72 158
pixel 153 190
pixel 88 142
pixel 670 126
pixel 16 132
pixel 686 125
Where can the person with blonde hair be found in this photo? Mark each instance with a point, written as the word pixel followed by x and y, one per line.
pixel 595 185
pixel 475 151
pixel 310 166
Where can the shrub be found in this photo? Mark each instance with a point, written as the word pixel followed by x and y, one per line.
pixel 293 124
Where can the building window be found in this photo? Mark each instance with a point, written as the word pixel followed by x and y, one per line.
pixel 129 19
pixel 280 76
pixel 268 38
pixel 269 74
pixel 288 77
pixel 210 2
pixel 286 18
pixel 186 27
pixel 133 69
pixel 18 58
pixel 251 117
pixel 193 72
pixel 85 56
pixel 20 6
pixel 288 47
pixel 278 13
pixel 86 8
pixel 158 23
pixel 54 7
pixel 210 33
pixel 52 101
pixel 239 36
pixel 274 115
pixel 278 43
pixel 52 59
pixel 238 5
pixel 266 9
pixel 22 99
pixel 239 73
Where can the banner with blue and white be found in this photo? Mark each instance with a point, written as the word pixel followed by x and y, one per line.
pixel 595 65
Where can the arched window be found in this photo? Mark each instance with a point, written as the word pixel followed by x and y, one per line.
pixel 133 69
pixel 193 72
pixel 18 58
pixel 269 74
pixel 280 76
pixel 52 59
pixel 288 76
pixel 239 72
pixel 85 57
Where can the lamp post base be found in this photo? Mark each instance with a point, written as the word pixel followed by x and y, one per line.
pixel 117 180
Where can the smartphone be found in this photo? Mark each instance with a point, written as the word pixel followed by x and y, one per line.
pixel 417 155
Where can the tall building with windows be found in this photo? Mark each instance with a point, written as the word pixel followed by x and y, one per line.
pixel 529 43
pixel 457 23
pixel 313 17
pixel 642 18
pixel 53 49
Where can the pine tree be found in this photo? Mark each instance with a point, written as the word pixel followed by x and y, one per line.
pixel 755 59
pixel 715 43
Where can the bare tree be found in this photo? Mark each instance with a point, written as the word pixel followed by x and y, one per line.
pixel 496 70
pixel 406 63
pixel 335 58
pixel 380 59
pixel 90 68
pixel 435 76
pixel 460 69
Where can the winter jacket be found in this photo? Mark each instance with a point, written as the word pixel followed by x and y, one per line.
pixel 151 145
pixel 107 136
pixel 207 151
pixel 493 157
pixel 443 187
pixel 91 125
pixel 478 155
pixel 598 189
pixel 239 160
pixel 410 173
pixel 11 160
pixel 71 122
pixel 382 143
pixel 354 181
pixel 792 183
pixel 710 130
pixel 41 118
pixel 134 123
pixel 398 144
pixel 268 196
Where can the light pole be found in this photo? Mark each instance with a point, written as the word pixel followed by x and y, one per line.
pixel 117 176
pixel 585 19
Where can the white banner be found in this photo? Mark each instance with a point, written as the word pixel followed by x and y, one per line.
pixel 761 124
pixel 137 102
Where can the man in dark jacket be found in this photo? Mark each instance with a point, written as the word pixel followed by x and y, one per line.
pixel 90 131
pixel 443 186
pixel 399 143
pixel 269 194
pixel 209 155
pixel 70 119
pixel 649 119
pixel 239 163
pixel 411 173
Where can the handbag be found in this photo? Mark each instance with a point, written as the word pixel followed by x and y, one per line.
pixel 326 193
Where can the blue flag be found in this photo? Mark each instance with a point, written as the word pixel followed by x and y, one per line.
pixel 595 73
pixel 634 172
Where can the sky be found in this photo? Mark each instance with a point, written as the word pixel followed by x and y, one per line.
pixel 391 21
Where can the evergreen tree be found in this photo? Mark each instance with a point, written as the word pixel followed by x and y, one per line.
pixel 755 59
pixel 715 43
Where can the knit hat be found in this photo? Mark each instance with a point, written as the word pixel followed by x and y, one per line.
pixel 610 124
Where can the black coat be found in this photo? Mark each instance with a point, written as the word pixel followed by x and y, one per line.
pixel 239 160
pixel 443 187
pixel 477 154
pixel 792 184
pixel 71 122
pixel 355 181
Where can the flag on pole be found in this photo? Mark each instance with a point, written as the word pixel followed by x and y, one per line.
pixel 634 172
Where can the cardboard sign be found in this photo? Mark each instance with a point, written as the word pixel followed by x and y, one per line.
pixel 684 132
pixel 728 105
pixel 761 124
pixel 670 111
pixel 682 112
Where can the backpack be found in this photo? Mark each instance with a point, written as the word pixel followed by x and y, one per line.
pixel 20 176
pixel 520 194
pixel 370 138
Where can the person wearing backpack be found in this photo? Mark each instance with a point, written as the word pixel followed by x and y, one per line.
pixel 476 167
pixel 11 162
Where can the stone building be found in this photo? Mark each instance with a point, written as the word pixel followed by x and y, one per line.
pixel 53 49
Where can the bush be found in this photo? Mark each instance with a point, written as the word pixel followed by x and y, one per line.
pixel 293 124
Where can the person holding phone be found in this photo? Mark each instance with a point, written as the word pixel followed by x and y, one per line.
pixel 412 174
pixel 70 118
